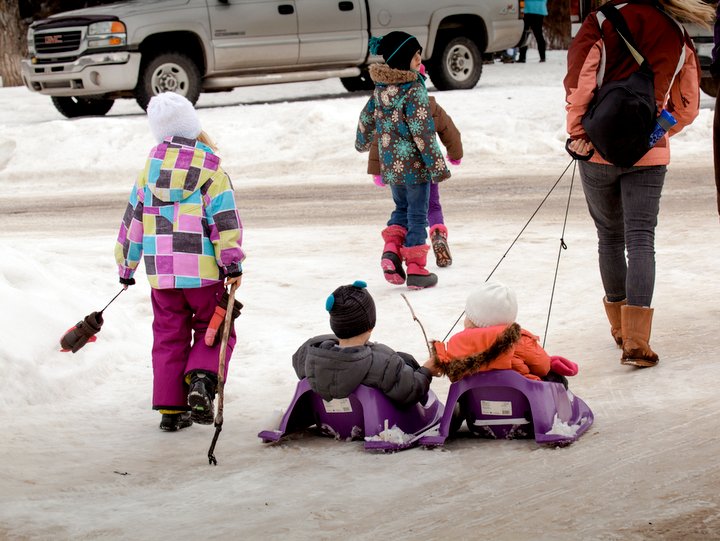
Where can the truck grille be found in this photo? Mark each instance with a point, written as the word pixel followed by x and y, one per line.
pixel 58 42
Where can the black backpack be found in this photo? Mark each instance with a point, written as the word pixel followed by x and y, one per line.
pixel 622 114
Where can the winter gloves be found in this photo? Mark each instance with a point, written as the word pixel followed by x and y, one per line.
pixel 564 367
pixel 217 322
pixel 82 333
pixel 454 162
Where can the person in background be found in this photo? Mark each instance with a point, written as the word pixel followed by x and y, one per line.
pixel 451 139
pixel 533 18
pixel 715 71
pixel 624 201
pixel 397 119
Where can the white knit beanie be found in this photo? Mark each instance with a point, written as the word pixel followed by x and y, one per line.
pixel 171 114
pixel 492 304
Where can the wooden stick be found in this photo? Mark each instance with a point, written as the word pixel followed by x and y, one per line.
pixel 221 372
pixel 427 342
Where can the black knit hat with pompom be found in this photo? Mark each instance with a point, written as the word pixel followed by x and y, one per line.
pixel 396 48
pixel 352 310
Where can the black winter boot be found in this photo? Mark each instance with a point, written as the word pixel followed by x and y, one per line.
pixel 201 395
pixel 172 422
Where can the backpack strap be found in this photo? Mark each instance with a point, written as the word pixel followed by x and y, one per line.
pixel 618 21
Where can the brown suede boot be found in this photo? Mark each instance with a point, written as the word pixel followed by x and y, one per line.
pixel 612 309
pixel 418 277
pixel 636 326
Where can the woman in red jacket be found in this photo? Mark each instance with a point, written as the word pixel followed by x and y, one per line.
pixel 624 201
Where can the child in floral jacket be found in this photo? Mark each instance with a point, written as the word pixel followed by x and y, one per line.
pixel 398 116
pixel 182 217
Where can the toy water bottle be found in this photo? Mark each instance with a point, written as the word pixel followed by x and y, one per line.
pixel 664 122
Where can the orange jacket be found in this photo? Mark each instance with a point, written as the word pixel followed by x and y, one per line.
pixel 492 348
pixel 596 54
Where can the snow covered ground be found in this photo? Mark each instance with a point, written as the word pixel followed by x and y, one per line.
pixel 82 456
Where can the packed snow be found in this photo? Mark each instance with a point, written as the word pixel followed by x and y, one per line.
pixel 83 457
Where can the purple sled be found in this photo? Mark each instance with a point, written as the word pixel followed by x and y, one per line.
pixel 366 413
pixel 503 404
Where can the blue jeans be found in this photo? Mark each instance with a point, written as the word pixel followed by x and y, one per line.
pixel 624 203
pixel 411 208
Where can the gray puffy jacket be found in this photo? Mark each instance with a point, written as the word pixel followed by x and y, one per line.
pixel 335 372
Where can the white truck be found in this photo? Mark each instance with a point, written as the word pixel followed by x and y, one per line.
pixel 85 59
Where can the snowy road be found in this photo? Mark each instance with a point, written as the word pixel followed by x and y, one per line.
pixel 81 455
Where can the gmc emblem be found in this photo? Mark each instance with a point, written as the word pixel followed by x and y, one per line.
pixel 53 39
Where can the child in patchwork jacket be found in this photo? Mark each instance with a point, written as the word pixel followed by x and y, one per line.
pixel 182 218
pixel 398 117
pixel 492 340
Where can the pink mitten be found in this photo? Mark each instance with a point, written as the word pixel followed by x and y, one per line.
pixel 560 365
pixel 377 179
pixel 454 162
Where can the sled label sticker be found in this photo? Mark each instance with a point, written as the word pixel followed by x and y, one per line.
pixel 495 407
pixel 338 405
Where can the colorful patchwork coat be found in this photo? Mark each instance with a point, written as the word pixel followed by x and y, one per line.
pixel 398 115
pixel 182 217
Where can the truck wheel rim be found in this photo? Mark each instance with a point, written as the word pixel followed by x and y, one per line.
pixel 460 63
pixel 169 78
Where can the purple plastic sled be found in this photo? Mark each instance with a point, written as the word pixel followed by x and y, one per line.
pixel 502 404
pixel 366 413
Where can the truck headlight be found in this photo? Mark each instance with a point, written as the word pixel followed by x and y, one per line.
pixel 31 41
pixel 106 34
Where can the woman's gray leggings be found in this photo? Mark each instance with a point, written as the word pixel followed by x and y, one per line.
pixel 624 203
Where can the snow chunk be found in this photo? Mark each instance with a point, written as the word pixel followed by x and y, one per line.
pixel 560 428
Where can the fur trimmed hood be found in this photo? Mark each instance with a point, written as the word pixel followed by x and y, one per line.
pixel 384 74
pixel 456 369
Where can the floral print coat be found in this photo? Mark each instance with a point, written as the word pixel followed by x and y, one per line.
pixel 399 114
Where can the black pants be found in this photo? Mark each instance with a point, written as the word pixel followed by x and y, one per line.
pixel 716 147
pixel 535 23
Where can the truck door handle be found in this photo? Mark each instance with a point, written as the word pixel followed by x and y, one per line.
pixel 286 9
pixel 346 6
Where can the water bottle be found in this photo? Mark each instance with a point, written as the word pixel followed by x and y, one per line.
pixel 664 122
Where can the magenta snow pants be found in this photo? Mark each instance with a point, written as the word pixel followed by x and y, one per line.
pixel 176 351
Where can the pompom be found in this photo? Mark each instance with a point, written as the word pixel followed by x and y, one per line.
pixel 374 45
pixel 330 302
pixel 359 284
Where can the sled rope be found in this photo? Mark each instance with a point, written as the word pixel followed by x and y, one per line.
pixel 111 300
pixel 562 247
pixel 221 373
pixel 518 236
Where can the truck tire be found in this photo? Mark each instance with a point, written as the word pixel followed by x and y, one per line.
pixel 456 65
pixel 73 107
pixel 359 83
pixel 167 72
pixel 709 86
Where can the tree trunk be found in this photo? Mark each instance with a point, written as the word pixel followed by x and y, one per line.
pixel 12 42
pixel 557 24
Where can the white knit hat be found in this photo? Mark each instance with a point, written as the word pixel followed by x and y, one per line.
pixel 492 304
pixel 171 114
